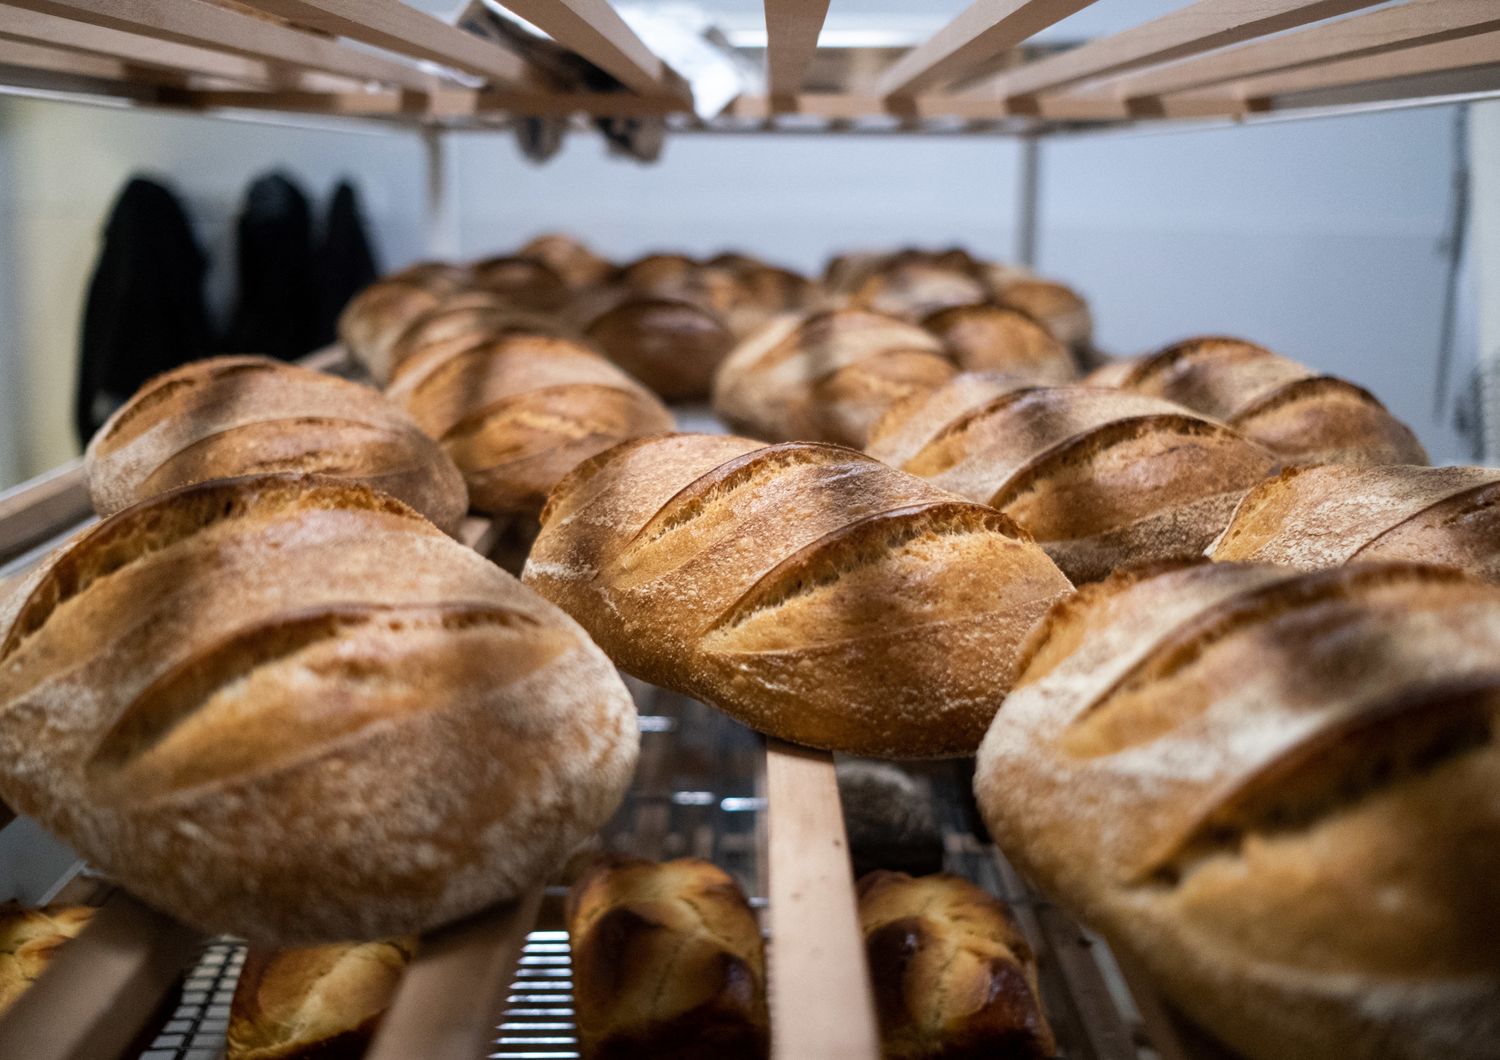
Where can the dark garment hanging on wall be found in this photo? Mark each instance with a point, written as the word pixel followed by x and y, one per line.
pixel 276 312
pixel 145 311
pixel 346 261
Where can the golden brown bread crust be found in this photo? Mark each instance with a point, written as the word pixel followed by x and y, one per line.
pixel 1317 517
pixel 826 376
pixel 807 590
pixel 578 266
pixel 521 282
pixel 954 977
pixel 291 709
pixel 668 963
pixel 671 346
pixel 1303 417
pixel 518 412
pixel 231 416
pixel 28 940
pixel 1279 792
pixel 993 338
pixel 916 288
pixel 314 1003
pixel 462 320
pixel 375 318
pixel 1100 478
pixel 1057 307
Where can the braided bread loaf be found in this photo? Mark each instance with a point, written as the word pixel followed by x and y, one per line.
pixel 291 709
pixel 518 412
pixel 1303 417
pixel 1279 793
pixel 668 963
pixel 826 376
pixel 1317 517
pixel 1101 479
pixel 230 416
pixel 809 591
pixel 953 975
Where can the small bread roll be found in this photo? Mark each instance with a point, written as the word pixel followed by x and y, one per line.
pixel 314 1003
pixel 671 346
pixel 28 940
pixel 1313 518
pixel 992 338
pixel 953 975
pixel 230 416
pixel 668 963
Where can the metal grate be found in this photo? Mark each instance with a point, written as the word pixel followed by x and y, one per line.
pixel 538 1021
pixel 197 1026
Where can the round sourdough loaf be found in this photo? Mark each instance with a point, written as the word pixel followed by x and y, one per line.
pixel 289 708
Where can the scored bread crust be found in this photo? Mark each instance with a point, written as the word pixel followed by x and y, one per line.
pixel 518 412
pixel 826 375
pixel 1317 517
pixel 1303 417
pixel 995 338
pixel 809 591
pixel 670 345
pixel 1276 791
pixel 952 973
pixel 291 709
pixel 315 1002
pixel 1101 479
pixel 376 317
pixel 1057 307
pixel 917 288
pixel 668 962
pixel 226 417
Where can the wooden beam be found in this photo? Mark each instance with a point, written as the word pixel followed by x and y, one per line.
pixel 986 29
pixel 25 55
pixel 792 31
pixel 401 28
pixel 1191 30
pixel 1462 54
pixel 98 992
pixel 138 51
pixel 822 1005
pixel 595 30
pixel 202 24
pixel 1389 29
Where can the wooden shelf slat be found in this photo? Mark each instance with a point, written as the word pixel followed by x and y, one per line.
pixel 401 28
pixel 97 994
pixel 984 30
pixel 202 24
pixel 1407 25
pixel 1191 30
pixel 792 31
pixel 1452 55
pixel 822 1007
pixel 595 30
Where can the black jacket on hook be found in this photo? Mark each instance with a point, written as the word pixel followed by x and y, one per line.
pixel 276 312
pixel 346 261
pixel 145 311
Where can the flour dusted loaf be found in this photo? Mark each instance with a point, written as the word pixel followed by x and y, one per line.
pixel 826 375
pixel 809 591
pixel 517 413
pixel 1317 517
pixel 314 1002
pixel 1303 417
pixel 992 338
pixel 28 940
pixel 953 975
pixel 668 963
pixel 231 416
pixel 1100 478
pixel 291 709
pixel 1278 792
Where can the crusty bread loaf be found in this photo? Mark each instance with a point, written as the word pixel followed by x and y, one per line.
pixel 28 940
pixel 578 266
pixel 518 412
pixel 1113 372
pixel 1317 517
pixel 953 975
pixel 375 318
pixel 291 709
pixel 230 416
pixel 315 1002
pixel 521 282
pixel 668 963
pixel 1303 417
pixel 440 277
pixel 827 375
pixel 465 319
pixel 992 338
pixel 652 272
pixel 1279 793
pixel 807 590
pixel 1057 307
pixel 670 345
pixel 915 288
pixel 1100 478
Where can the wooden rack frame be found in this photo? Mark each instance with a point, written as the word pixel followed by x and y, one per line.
pixel 1212 59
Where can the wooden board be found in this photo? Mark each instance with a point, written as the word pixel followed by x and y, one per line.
pixel 1465 53
pixel 595 30
pixel 792 31
pixel 821 1002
